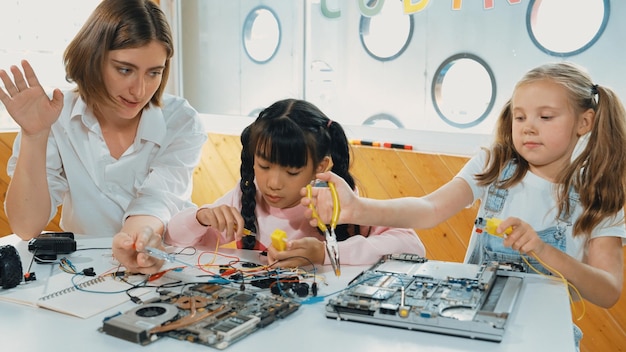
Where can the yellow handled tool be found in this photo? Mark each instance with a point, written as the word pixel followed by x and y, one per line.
pixel 332 248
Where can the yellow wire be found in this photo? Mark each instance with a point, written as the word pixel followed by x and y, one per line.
pixel 205 266
pixel 567 283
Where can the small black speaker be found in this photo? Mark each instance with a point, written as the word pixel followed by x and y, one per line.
pixel 51 245
pixel 10 267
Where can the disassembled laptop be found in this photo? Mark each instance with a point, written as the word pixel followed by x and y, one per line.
pixel 408 291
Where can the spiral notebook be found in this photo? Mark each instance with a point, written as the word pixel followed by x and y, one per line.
pixel 83 298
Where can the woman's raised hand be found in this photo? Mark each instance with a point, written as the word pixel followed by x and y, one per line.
pixel 27 102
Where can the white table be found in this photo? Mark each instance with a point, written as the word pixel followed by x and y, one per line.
pixel 541 321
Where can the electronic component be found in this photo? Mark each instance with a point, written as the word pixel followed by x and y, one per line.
pixel 248 240
pixel 135 325
pixel 267 281
pixel 168 257
pixel 489 225
pixel 290 289
pixel 279 239
pixel 157 253
pixel 57 234
pixel 408 291
pixel 47 245
pixel 207 314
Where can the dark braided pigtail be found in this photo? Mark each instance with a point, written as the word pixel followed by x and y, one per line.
pixel 248 189
pixel 340 154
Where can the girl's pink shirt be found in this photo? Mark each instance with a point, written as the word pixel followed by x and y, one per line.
pixel 184 230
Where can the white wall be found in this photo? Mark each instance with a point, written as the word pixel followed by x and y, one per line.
pixel 223 83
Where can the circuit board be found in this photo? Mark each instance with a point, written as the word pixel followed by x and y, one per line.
pixel 411 292
pixel 208 314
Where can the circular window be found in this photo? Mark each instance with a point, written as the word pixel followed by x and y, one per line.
pixel 387 32
pixel 566 27
pixel 383 120
pixel 463 90
pixel 255 112
pixel 261 35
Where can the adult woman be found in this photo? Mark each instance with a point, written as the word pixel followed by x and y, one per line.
pixel 115 152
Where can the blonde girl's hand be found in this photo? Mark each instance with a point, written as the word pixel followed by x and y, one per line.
pixel 223 218
pixel 27 102
pixel 299 253
pixel 522 238
pixel 322 199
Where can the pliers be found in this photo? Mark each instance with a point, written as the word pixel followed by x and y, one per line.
pixel 331 239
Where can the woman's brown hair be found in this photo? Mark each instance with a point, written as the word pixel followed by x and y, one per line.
pixel 114 25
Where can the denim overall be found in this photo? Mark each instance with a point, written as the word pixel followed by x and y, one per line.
pixel 491 248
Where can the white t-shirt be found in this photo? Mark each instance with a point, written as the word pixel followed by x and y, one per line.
pixel 533 201
pixel 97 191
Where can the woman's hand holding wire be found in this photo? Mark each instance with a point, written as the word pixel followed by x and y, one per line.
pixel 129 250
pixel 27 102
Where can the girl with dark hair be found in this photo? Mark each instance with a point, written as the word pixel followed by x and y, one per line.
pixel 282 150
